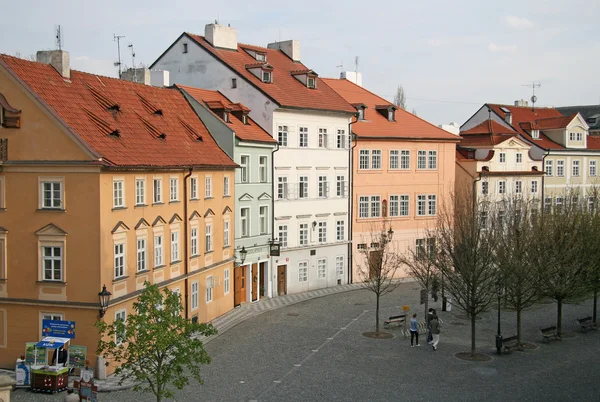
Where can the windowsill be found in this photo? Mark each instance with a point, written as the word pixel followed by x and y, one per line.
pixel 158 203
pixel 209 252
pixel 142 272
pixel 226 196
pixel 120 279
pixel 208 198
pixel 175 262
pixel 194 257
pixel 159 267
pixel 174 201
pixel 195 199
pixel 46 282
pixel 224 247
pixel 118 208
pixel 140 205
pixel 51 209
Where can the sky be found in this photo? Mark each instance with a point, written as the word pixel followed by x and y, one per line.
pixel 450 57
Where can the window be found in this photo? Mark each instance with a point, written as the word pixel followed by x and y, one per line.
pixel 432 160
pixel 263 217
pixel 262 169
pixel 157 186
pixel 547 203
pixel 502 187
pixel 501 218
pixel 361 246
pixel 266 76
pixel 208 187
pixel 225 234
pixel 592 168
pixel 591 203
pixel 376 159
pixel 431 205
pixel 303 190
pixel 174 246
pixel 421 160
pixel 194 241
pixel 483 219
pixel 502 157
pixel 226 281
pixel 404 160
pixel 209 289
pixel 361 113
pixel 559 201
pixel 421 202
pixel 158 251
pixel 339 265
pixel 549 168
pixel 244 162
pixel 122 316
pixel 245 221
pixel 375 206
pixel 534 186
pixel 185 48
pixel 575 168
pixel 303 137
pixel 341 139
pixel 303 271
pixel 322 232
pixel 518 187
pixel 485 187
pixel 519 157
pixel 283 235
pixel 560 168
pixel 141 254
pixel 323 187
pixel 340 230
pixel 571 136
pixel 340 184
pixel 322 138
pixel 208 238
pixel 52 194
pixel 393 205
pixel 363 207
pixel 261 57
pixel 321 268
pixel 194 188
pixel 311 82
pixel 394 159
pixel 282 187
pixel 194 295
pixel 303 235
pixel 363 162
pixel 535 134
pixel 118 196
pixel 119 260
pixel 52 261
pixel 420 248
pixel 234 83
pixel 140 193
pixel 404 205
pixel 579 136
pixel 225 186
pixel 282 135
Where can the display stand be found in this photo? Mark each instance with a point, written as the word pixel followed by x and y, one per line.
pixel 45 378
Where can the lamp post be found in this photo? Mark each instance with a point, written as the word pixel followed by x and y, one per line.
pixel 499 334
pixel 243 254
pixel 104 297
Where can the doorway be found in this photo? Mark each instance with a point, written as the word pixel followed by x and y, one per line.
pixel 239 285
pixel 254 274
pixel 281 280
pixel 264 277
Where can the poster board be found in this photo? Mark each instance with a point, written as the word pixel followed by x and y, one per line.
pixel 60 329
pixel 77 355
pixel 30 352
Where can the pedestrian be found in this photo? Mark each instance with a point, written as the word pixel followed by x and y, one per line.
pixel 435 331
pixel 414 330
pixel 430 314
pixel 71 396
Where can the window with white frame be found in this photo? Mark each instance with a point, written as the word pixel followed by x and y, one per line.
pixel 52 194
pixel 502 187
pixel 208 186
pixel 376 159
pixel 518 187
pixel 208 238
pixel 303 137
pixel 485 187
pixel 404 205
pixel 282 135
pixel 361 246
pixel 394 159
pixel 363 207
pixel 244 165
pixel 193 188
pixel 502 157
pixel 282 187
pixel 534 186
pixel 340 185
pixel 578 136
pixel 263 219
pixel 519 157
pixel 341 139
pixel 209 289
pixel 322 138
pixel 157 188
pixel 226 234
pixel 394 204
pixel 118 194
pixel 262 169
pixel 483 219
pixel 119 260
pixel 361 113
pixel 303 187
pixel 141 254
pixel 225 186
pixel 339 265
pixel 323 187
pixel 547 203
pixel 571 136
pixel 322 232
pixel 140 191
pixel 283 235
pixel 267 77
pixel 592 168
pixel 363 162
pixel 52 316
pixel 194 241
pixel 375 206
pixel 303 235
pixel 194 298
pixel 431 205
pixel 226 281
pixel 559 202
pixel 3 254
pixel 575 168
pixel 560 168
pixel 321 268
pixel 432 160
pixel 158 251
pixel 421 205
pixel 174 246
pixel 421 160
pixel 52 263
pixel 340 230
pixel 405 160
pixel 549 167
pixel 245 221
pixel 420 248
pixel 535 134
pixel 120 315
pixel 174 189
pixel 303 271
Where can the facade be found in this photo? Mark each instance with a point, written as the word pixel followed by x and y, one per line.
pixel 252 148
pixel 403 173
pixel 590 113
pixel 104 182
pixel 310 168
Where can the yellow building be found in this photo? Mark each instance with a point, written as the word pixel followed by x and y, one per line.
pixel 104 182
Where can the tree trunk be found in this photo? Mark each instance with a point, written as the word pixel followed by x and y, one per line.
pixel 559 317
pixel 595 306
pixel 519 310
pixel 377 313
pixel 472 334
pixel 427 312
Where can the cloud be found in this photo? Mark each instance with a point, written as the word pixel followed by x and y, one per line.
pixel 518 22
pixel 492 47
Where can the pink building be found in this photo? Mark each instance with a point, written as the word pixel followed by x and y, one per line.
pixel 403 171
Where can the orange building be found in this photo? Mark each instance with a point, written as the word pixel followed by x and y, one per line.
pixel 104 182
pixel 403 172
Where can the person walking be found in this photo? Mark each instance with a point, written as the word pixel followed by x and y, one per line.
pixel 435 331
pixel 430 314
pixel 414 330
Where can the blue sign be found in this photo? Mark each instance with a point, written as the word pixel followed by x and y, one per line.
pixel 61 329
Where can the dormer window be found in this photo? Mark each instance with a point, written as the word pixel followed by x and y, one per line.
pixel 388 111
pixel 361 113
pixel 245 118
pixel 535 134
pixel 226 116
pixel 261 57
pixel 391 115
pixel 267 77
pixel 311 82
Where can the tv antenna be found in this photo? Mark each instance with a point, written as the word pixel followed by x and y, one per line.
pixel 58 37
pixel 117 38
pixel 533 86
pixel 133 62
pixel 356 64
pixel 341 67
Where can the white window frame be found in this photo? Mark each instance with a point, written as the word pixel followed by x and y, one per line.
pixel 394 156
pixel 208 243
pixel 431 205
pixel 323 187
pixel 339 265
pixel 208 193
pixel 226 186
pixel 173 189
pixel 302 271
pixel 174 246
pixel 226 235
pixel 534 186
pixel 322 268
pixel 502 157
pixel 560 168
pixel 119 258
pixel 282 233
pixel 142 254
pixel 323 138
pixel 518 187
pixel 209 289
pixel 576 168
pixel 404 159
pixel 159 245
pixel 363 207
pixel 519 157
pixel 262 169
pixel 244 168
pixel 592 168
pixel 118 193
pixel 485 188
pixel 282 135
pixel 303 137
pixel 303 234
pixel 226 274
pixel 194 242
pixel 421 205
pixel 53 259
pixel 140 191
pixel 55 203
pixel 394 207
pixel 432 160
pixel 282 187
pixel 322 231
pixel 303 187
pixel 340 186
pixel 245 222
pixel 157 191
pixel 404 206
pixel 263 219
pixel 364 159
pixel 421 160
pixel 194 295
pixel 340 230
pixel 341 139
pixel 120 315
pixel 375 206
pixel 376 159
pixel 549 168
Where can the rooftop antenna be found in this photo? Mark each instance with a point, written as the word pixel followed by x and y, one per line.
pixel 133 62
pixel 533 85
pixel 117 38
pixel 341 67
pixel 356 70
pixel 58 37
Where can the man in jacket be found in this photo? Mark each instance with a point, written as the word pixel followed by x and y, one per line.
pixel 435 331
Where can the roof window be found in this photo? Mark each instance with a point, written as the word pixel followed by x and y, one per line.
pixel 261 56
pixel 361 113
pixel 267 77
pixel 311 82
pixel 226 116
pixel 535 134
pixel 245 118
pixel 391 115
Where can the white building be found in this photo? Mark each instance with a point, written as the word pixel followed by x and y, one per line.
pixel 311 167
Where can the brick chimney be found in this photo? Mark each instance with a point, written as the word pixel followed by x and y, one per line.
pixel 290 47
pixel 140 75
pixel 221 36
pixel 59 59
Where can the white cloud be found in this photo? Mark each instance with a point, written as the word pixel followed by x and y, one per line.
pixel 518 22
pixel 492 47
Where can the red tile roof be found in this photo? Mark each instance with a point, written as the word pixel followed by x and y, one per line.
pixel 554 122
pixel 488 133
pixel 246 132
pixel 83 102
pixel 285 90
pixel 375 125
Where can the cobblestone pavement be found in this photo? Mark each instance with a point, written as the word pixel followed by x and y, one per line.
pixel 315 351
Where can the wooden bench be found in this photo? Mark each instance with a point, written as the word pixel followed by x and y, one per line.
pixel 394 319
pixel 510 343
pixel 550 332
pixel 586 324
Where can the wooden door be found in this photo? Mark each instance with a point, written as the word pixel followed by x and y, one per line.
pixel 239 286
pixel 254 282
pixel 261 279
pixel 281 283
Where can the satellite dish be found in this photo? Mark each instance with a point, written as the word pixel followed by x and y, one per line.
pixel 534 99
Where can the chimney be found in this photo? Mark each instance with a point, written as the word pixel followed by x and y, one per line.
pixel 352 76
pixel 220 36
pixel 59 59
pixel 140 75
pixel 521 103
pixel 159 78
pixel 290 47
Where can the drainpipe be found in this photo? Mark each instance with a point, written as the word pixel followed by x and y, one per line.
pixel 543 180
pixel 273 269
pixel 185 243
pixel 350 196
pixel 475 191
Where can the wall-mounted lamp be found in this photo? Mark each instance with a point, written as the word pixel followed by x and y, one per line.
pixel 104 297
pixel 314 224
pixel 243 254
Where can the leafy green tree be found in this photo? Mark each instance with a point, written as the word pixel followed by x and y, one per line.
pixel 155 347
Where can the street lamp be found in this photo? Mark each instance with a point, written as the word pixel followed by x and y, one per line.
pixel 390 234
pixel 499 334
pixel 104 297
pixel 243 254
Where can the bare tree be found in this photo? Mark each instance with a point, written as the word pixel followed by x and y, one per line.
pixel 400 98
pixel 378 266
pixel 591 245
